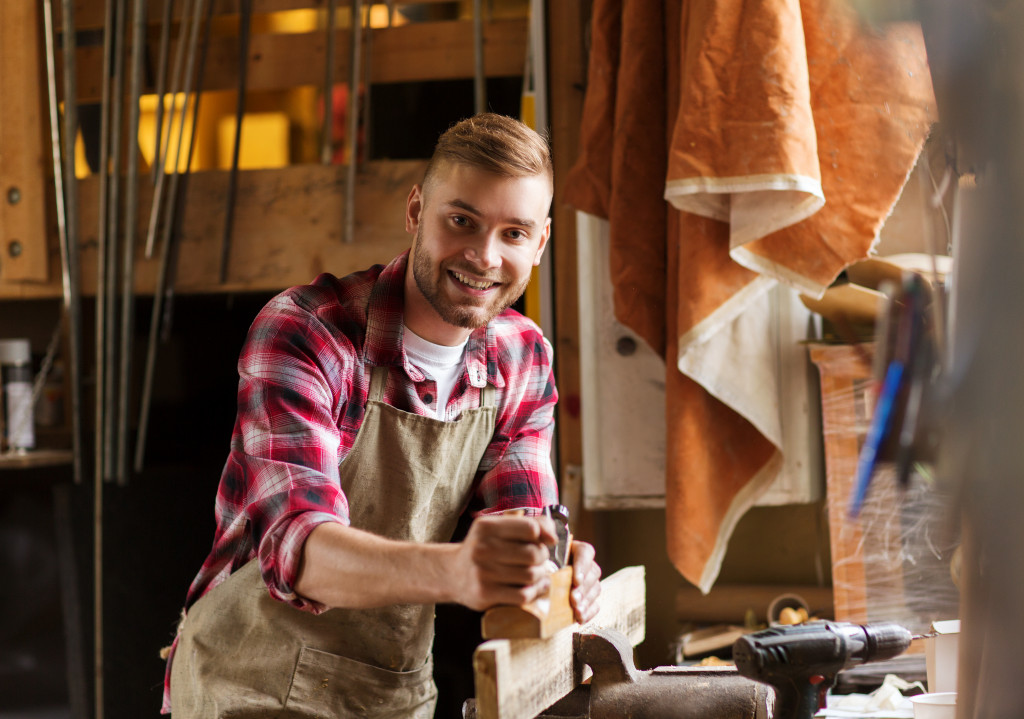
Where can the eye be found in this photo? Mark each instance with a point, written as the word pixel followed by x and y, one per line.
pixel 516 235
pixel 460 221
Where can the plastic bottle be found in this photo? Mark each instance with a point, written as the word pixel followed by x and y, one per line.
pixel 16 379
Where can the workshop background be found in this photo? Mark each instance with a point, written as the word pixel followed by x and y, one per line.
pixel 725 298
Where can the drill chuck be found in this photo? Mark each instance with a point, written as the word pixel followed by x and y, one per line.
pixel 883 641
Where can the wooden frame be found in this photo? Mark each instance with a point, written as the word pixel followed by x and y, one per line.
pixel 288 220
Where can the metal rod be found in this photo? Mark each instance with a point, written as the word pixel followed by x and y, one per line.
pixel 160 162
pixel 101 233
pixel 66 199
pixel 479 80
pixel 352 132
pixel 55 148
pixel 367 119
pixel 161 76
pixel 130 231
pixel 66 283
pixel 163 292
pixel 109 367
pixel 245 29
pixel 71 217
pixel 327 133
pixel 539 65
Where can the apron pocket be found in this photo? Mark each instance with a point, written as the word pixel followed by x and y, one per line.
pixel 330 685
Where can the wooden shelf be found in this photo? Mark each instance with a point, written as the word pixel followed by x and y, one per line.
pixel 36 458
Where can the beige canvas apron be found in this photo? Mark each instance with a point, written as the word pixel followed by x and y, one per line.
pixel 242 653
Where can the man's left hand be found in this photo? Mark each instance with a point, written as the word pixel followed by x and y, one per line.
pixel 586 582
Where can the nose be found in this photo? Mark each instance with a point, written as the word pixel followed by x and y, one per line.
pixel 485 251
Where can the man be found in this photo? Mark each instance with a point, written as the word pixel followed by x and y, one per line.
pixel 373 411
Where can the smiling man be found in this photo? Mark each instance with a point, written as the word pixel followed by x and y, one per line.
pixel 374 411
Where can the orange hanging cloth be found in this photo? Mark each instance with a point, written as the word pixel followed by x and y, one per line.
pixel 789 130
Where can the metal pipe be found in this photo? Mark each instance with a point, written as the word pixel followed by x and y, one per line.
pixel 71 216
pixel 130 222
pixel 163 292
pixel 245 29
pixel 101 234
pixel 352 131
pixel 160 160
pixel 539 65
pixel 326 135
pixel 161 77
pixel 109 367
pixel 479 80
pixel 55 148
pixel 67 217
pixel 367 119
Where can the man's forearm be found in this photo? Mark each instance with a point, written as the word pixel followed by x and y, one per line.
pixel 346 567
pixel 501 561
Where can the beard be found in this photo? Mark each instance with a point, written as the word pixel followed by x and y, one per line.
pixel 468 313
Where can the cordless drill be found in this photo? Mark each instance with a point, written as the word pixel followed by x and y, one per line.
pixel 801 661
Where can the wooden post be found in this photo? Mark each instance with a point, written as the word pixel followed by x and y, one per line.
pixel 519 678
pixel 23 150
pixel 567 22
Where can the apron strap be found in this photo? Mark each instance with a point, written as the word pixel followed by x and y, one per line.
pixel 378 378
pixel 487 395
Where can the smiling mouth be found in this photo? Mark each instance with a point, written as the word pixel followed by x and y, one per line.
pixel 469 282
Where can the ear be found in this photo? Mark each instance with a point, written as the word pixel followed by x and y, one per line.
pixel 413 209
pixel 544 237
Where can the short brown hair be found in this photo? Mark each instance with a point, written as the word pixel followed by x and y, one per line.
pixel 493 143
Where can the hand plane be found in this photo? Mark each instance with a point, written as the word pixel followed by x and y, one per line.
pixel 545 615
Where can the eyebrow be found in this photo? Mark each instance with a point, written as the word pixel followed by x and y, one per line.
pixel 524 222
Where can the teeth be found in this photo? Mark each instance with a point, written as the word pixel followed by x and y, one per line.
pixel 472 283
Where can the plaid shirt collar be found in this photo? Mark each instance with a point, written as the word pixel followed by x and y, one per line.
pixel 384 327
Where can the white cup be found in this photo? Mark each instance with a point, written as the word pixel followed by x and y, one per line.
pixel 941 705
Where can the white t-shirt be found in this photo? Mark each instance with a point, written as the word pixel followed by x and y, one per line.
pixel 440 362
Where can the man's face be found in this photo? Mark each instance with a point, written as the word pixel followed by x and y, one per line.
pixel 477 236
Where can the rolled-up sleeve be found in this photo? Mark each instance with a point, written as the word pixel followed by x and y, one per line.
pixel 295 376
pixel 516 470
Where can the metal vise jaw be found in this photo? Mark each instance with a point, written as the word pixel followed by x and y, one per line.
pixel 618 689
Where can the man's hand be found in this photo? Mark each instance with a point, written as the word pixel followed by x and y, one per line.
pixel 586 582
pixel 502 560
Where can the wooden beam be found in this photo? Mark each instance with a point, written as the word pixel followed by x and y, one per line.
pixel 728 603
pixel 519 678
pixel 89 13
pixel 24 152
pixel 417 52
pixel 288 224
pixel 841 368
pixel 567 22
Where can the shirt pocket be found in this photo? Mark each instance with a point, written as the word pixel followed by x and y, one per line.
pixel 337 687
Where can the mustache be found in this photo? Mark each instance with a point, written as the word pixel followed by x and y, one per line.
pixel 476 274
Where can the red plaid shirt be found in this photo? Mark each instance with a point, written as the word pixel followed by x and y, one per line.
pixel 304 377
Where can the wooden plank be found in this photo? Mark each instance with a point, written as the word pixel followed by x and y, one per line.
pixel 24 152
pixel 417 52
pixel 730 602
pixel 287 229
pixel 89 13
pixel 444 50
pixel 519 678
pixel 840 367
